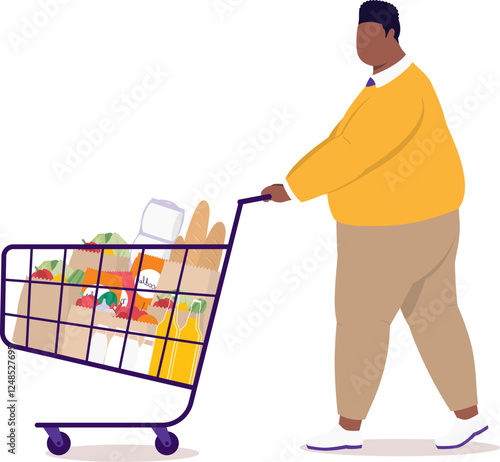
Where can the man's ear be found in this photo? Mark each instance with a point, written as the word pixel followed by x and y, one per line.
pixel 391 33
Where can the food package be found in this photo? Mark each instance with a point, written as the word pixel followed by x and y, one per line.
pixel 151 269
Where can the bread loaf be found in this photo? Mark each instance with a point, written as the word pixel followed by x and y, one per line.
pixel 197 231
pixel 177 255
pixel 210 258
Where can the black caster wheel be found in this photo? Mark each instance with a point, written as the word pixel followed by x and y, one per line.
pixel 59 450
pixel 171 448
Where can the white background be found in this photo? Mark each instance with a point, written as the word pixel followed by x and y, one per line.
pixel 230 70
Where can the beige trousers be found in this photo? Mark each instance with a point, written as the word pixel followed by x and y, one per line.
pixel 381 269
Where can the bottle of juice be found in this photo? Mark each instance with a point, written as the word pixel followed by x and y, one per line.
pixel 179 315
pixel 186 355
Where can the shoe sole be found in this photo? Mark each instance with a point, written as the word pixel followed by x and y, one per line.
pixel 337 448
pixel 466 441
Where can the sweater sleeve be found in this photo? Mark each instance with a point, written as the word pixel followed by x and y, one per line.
pixel 372 136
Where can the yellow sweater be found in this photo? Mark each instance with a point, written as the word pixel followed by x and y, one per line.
pixel 391 160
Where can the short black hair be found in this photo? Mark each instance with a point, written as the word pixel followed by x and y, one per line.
pixel 382 13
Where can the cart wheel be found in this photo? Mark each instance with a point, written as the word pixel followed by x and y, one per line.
pixel 59 450
pixel 171 448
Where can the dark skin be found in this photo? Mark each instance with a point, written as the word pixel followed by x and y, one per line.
pixel 381 51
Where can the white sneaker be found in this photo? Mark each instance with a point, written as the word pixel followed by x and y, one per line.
pixel 335 440
pixel 462 432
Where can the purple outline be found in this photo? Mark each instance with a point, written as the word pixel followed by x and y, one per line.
pixel 338 448
pixel 466 441
pixel 60 301
pixel 95 304
pixel 131 310
pixel 29 298
pixel 155 291
pixel 174 306
pixel 109 329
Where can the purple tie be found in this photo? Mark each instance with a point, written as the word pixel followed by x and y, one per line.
pixel 370 83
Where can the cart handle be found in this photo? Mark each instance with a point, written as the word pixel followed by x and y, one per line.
pixel 250 200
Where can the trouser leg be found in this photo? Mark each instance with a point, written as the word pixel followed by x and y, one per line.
pixel 440 334
pixel 368 295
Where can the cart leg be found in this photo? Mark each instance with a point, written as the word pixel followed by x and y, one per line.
pixel 166 442
pixel 55 435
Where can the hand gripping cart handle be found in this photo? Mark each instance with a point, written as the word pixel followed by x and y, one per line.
pixel 166 442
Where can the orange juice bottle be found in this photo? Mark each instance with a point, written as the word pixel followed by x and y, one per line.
pixel 171 347
pixel 186 355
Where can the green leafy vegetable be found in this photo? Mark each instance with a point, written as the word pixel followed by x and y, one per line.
pixel 57 269
pixel 198 306
pixel 76 277
pixel 112 238
pixel 48 264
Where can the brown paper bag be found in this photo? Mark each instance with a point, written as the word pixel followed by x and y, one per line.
pixel 83 259
pixel 44 304
pixel 195 280
pixel 74 340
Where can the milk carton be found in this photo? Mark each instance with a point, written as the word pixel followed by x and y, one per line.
pixel 161 223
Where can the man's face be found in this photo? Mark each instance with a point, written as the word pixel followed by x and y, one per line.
pixel 372 44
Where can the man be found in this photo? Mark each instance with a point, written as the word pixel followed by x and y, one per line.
pixel 394 182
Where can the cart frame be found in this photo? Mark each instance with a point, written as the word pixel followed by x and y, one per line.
pixel 166 442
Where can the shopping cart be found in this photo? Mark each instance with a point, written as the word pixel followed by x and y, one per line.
pixel 166 442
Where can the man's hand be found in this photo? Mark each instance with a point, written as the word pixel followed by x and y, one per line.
pixel 278 192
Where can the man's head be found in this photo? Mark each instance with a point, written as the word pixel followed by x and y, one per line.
pixel 378 32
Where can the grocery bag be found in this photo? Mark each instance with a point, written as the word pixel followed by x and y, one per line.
pixel 194 280
pixel 75 339
pixel 45 305
pixel 83 259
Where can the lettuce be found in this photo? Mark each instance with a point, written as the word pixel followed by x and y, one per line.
pixel 58 270
pixel 48 265
pixel 112 238
pixel 55 267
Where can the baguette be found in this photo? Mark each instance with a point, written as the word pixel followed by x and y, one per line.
pixel 197 231
pixel 210 258
pixel 177 255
